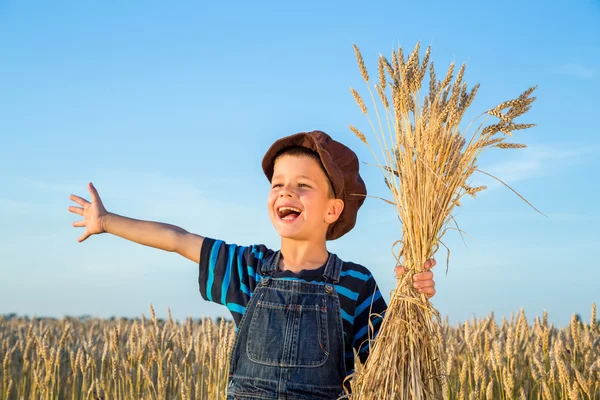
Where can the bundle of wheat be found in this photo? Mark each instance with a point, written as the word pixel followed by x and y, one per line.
pixel 427 162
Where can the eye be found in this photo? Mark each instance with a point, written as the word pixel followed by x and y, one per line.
pixel 275 185
pixel 304 185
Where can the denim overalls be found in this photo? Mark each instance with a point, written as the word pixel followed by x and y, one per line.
pixel 289 343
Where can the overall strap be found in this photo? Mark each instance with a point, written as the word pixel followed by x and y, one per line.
pixel 270 264
pixel 332 272
pixel 333 268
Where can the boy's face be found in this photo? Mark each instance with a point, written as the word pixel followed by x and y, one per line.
pixel 299 205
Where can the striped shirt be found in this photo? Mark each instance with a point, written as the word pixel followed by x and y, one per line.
pixel 229 273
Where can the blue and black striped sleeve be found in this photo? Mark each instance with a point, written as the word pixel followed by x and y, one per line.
pixel 370 305
pixel 228 273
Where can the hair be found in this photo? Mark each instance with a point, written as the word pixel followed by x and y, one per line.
pixel 298 151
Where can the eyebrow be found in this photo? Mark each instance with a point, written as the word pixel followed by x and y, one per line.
pixel 299 176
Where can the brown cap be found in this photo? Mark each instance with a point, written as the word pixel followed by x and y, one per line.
pixel 341 165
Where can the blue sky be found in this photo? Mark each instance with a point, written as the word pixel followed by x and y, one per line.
pixel 168 109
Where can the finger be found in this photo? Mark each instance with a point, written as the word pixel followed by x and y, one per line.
pixel 82 202
pixel 429 291
pixel 76 210
pixel 79 224
pixel 93 193
pixel 423 276
pixel 83 237
pixel 400 271
pixel 424 284
pixel 430 263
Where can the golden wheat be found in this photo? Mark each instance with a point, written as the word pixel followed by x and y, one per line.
pixel 119 359
pixel 126 359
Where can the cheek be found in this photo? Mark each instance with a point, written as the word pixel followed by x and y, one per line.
pixel 313 204
pixel 271 199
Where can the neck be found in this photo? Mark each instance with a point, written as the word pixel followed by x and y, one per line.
pixel 298 255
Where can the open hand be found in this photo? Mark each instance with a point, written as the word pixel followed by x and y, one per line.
pixel 423 281
pixel 92 213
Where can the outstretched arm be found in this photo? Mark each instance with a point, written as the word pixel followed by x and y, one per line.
pixel 159 235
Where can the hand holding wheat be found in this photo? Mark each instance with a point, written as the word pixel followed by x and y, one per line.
pixel 92 212
pixel 423 281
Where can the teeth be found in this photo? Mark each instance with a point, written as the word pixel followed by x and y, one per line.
pixel 281 209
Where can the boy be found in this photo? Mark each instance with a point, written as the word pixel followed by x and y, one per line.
pixel 300 312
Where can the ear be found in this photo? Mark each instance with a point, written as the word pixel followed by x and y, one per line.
pixel 334 210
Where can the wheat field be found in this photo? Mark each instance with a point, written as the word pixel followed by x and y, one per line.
pixel 147 358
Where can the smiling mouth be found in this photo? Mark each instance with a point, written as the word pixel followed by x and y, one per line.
pixel 288 213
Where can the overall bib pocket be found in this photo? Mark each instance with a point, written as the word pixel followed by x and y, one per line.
pixel 288 335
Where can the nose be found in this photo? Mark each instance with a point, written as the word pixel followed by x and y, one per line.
pixel 285 191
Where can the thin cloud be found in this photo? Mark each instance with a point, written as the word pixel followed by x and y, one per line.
pixel 16 208
pixel 577 70
pixel 45 186
pixel 534 163
pixel 159 195
pixel 516 170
